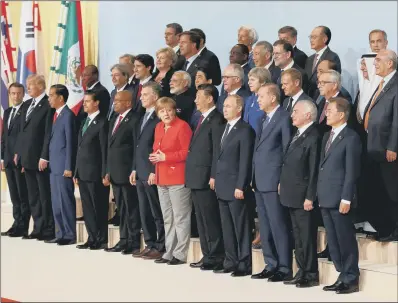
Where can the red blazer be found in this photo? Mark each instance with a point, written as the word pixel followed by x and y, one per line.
pixel 174 143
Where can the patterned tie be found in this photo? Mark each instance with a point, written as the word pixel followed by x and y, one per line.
pixel 199 123
pixel 30 109
pixel 329 143
pixel 55 117
pixel 289 105
pixel 146 116
pixel 85 126
pixel 225 134
pixel 118 124
pixel 314 63
pixel 324 112
pixel 296 136
pixel 366 118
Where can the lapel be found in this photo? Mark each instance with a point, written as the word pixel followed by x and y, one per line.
pixel 194 65
pixel 89 128
pixel 17 116
pixel 122 125
pixel 319 61
pixel 270 126
pixel 393 81
pixel 299 140
pixel 57 122
pixel 231 132
pixel 204 123
pixel 36 109
pixel 150 119
pixel 335 142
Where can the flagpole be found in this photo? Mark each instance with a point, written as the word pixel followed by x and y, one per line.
pixel 11 38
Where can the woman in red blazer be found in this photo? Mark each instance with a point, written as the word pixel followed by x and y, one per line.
pixel 170 150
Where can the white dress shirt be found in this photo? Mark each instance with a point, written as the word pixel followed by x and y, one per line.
pixel 296 96
pixel 290 65
pixel 15 109
pixel 388 78
pixel 92 86
pixel 234 92
pixel 58 111
pixel 191 59
pixel 302 129
pixel 206 114
pixel 92 116
pixel 271 114
pixel 118 117
pixel 122 88
pixel 142 82
pixel 231 123
pixel 269 64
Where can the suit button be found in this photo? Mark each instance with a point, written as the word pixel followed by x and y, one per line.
pixel 137 145
pixel 321 168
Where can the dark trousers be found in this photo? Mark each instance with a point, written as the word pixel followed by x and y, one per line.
pixel 305 232
pixel 19 198
pixel 130 224
pixel 209 225
pixel 274 232
pixel 95 202
pixel 151 215
pixel 39 196
pixel 64 206
pixel 342 243
pixel 236 234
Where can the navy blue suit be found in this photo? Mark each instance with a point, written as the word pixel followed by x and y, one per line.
pixel 339 170
pixel 62 150
pixel 271 144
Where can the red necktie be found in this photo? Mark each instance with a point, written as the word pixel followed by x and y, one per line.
pixel 118 124
pixel 199 123
pixel 55 117
pixel 139 91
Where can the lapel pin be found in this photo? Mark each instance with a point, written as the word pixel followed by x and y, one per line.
pixel 39 105
pixel 94 122
pixel 304 136
pixel 339 137
pixel 126 119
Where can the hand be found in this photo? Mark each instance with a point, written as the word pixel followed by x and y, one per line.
pixel 212 183
pixel 279 189
pixel 308 205
pixel 152 179
pixel 391 156
pixel 42 164
pixel 239 194
pixel 344 208
pixel 3 167
pixel 22 170
pixel 157 156
pixel 76 181
pixel 67 173
pixel 106 181
pixel 16 159
pixel 132 178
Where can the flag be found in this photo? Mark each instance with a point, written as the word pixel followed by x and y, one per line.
pixel 72 57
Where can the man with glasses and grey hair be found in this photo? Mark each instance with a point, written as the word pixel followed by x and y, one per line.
pixel 263 57
pixel 248 36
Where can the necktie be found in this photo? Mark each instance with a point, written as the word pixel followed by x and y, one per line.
pixel 30 109
pixel 186 65
pixel 110 112
pixel 139 91
pixel 296 136
pixel 55 117
pixel 225 134
pixel 118 124
pixel 329 143
pixel 199 123
pixel 322 117
pixel 85 126
pixel 289 105
pixel 266 121
pixel 314 63
pixel 11 116
pixel 146 116
pixel 366 118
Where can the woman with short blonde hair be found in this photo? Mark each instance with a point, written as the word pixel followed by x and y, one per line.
pixel 165 59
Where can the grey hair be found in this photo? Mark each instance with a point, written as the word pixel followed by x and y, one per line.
pixel 378 31
pixel 169 52
pixel 252 32
pixel 261 73
pixel 185 76
pixel 310 107
pixel 130 56
pixel 336 77
pixel 122 68
pixel 266 45
pixel 391 55
pixel 156 88
pixel 237 71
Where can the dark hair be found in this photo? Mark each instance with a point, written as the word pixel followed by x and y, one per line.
pixel 342 106
pixel 204 69
pixel 92 93
pixel 61 90
pixel 177 27
pixel 244 49
pixel 200 33
pixel 327 32
pixel 16 85
pixel 147 60
pixel 193 37
pixel 209 90
pixel 287 47
pixel 332 64
pixel 288 29
pixel 94 69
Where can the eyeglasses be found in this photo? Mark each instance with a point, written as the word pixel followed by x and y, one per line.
pixel 322 83
pixel 313 37
pixel 228 77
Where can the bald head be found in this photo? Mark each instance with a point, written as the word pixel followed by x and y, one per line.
pixel 385 62
pixel 122 101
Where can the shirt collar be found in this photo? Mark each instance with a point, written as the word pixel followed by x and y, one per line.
pixel 125 113
pixel 60 109
pixel 150 110
pixel 304 128
pixel 320 52
pixel 191 59
pixel 232 123
pixel 234 91
pixel 388 77
pixel 93 115
pixel 201 49
pixel 269 64
pixel 39 98
pixel 130 79
pixel 92 86
pixel 243 65
pixel 290 65
pixel 337 130
pixel 271 114
pixel 176 48
pixel 122 88
pixel 334 96
pixel 296 96
pixel 18 107
pixel 206 114
pixel 142 82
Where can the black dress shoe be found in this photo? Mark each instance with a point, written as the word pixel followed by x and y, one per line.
pixel 390 238
pixel 80 219
pixel 45 238
pixel 292 281
pixel 115 221
pixel 263 275
pixel 347 289
pixel 333 287
pixel 305 283
pixel 8 232
pixel 208 266
pixel 98 246
pixel 127 251
pixel 32 236
pixel 83 246
pixel 280 277
pixel 324 254
pixel 17 234
pixel 175 261
pixel 161 261
pixel 196 264
pixel 117 248
pixel 239 273
pixel 52 241
pixel 66 242
pixel 222 271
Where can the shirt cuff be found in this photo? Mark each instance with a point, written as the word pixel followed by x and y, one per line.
pixel 43 159
pixel 346 202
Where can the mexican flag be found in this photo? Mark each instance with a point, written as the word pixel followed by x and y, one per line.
pixel 72 57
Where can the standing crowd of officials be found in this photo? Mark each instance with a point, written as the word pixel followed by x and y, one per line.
pixel 282 138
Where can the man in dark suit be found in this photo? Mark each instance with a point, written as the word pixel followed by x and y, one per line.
pixel 15 178
pixel 291 80
pixel 233 77
pixel 208 57
pixel 270 145
pixel 231 182
pixel 122 139
pixel 143 68
pixel 197 177
pixel 90 170
pixel 289 34
pixel 319 39
pixel 143 176
pixel 179 89
pixel 172 38
pixel 128 61
pixel 283 57
pixel 62 156
pixel 262 57
pixel 239 54
pixel 381 124
pixel 248 36
pixel 339 170
pixel 32 155
pixel 297 191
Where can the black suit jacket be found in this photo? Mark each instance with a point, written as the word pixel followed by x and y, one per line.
pixel 92 150
pixel 121 147
pixel 9 135
pixel 304 77
pixel 220 102
pixel 300 167
pixel 383 122
pixel 179 65
pixel 201 152
pixel 344 93
pixel 234 160
pixel 339 169
pixel 144 147
pixel 34 136
pixel 303 96
pixel 185 106
pixel 328 54
pixel 299 57
pixel 275 72
pixel 211 60
pixel 165 82
pixel 130 87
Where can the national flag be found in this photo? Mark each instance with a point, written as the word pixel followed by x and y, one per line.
pixel 72 57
